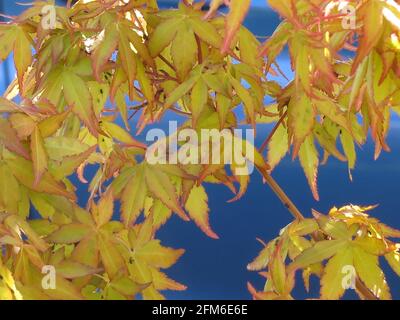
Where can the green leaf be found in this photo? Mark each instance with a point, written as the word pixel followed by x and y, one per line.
pixel 300 119
pixel 22 54
pixel 206 32
pixel 133 197
pixel 39 155
pixel 71 270
pixel 105 208
pixel 79 99
pixel 181 90
pixel 321 251
pixel 70 233
pixel 163 36
pixel 110 256
pixel 199 98
pixel 332 287
pixel 278 147
pixel 368 270
pixel 10 190
pixel 393 258
pixel 246 97
pixel 184 51
pixel 372 30
pixel 23 171
pixel 127 56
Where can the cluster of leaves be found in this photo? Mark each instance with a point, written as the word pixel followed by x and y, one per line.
pixel 329 247
pixel 333 97
pixel 126 59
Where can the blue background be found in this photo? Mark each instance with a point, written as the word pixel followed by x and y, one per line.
pixel 216 269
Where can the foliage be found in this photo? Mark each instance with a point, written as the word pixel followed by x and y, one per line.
pixel 346 237
pixel 145 63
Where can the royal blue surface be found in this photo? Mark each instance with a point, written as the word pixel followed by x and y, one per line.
pixel 216 269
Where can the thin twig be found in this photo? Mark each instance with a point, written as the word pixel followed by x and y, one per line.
pixel 268 139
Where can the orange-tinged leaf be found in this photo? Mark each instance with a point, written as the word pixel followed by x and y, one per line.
pixel 39 155
pixel 162 282
pixel 9 138
pixel 308 156
pixel 197 207
pixel 22 124
pixel 18 222
pixel 372 30
pixel 105 49
pixel 69 164
pixel 158 256
pixel 237 12
pixel 50 125
pixel 23 171
pixel 278 146
pixel 214 5
pixel 262 260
